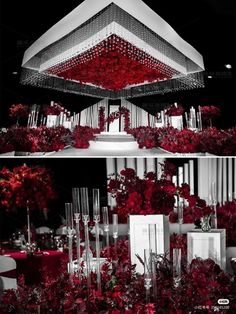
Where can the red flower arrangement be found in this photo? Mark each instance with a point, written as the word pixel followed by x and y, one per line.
pixel 141 196
pixel 117 114
pixel 173 110
pixel 202 284
pixel 54 109
pixel 184 141
pixel 82 135
pixel 209 113
pixel 18 111
pixel 41 139
pixel 101 119
pixel 26 186
pixel 113 64
pixel 5 143
pixel 226 219
pixel 146 137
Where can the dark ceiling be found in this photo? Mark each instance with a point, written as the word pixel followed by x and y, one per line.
pixel 208 25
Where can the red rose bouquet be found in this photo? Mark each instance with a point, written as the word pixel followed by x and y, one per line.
pixel 173 110
pixel 26 186
pixel 82 135
pixel 209 113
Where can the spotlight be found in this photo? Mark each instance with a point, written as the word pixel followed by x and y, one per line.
pixel 14 73
pixel 209 76
pixel 228 66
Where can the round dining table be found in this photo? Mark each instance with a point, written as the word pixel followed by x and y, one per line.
pixel 35 266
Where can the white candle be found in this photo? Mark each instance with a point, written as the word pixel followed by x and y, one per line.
pixel 191 176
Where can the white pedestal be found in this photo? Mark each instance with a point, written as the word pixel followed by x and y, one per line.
pixel 207 245
pixel 139 237
pixel 51 121
pixel 67 125
pixel 184 228
pixel 176 122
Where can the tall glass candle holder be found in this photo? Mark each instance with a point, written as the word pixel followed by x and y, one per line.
pixel 77 216
pixel 152 235
pixel 96 219
pixel 106 225
pixel 214 205
pixel 176 266
pixel 115 231
pixel 86 219
pixel 147 274
pixel 180 212
pixel 69 227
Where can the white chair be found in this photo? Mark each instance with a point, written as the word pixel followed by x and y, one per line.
pixel 43 229
pixel 61 230
pixel 7 273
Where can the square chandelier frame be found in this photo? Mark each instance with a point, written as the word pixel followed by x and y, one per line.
pixel 52 51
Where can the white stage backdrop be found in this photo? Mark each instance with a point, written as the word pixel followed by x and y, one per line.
pixel 138 116
pixel 222 171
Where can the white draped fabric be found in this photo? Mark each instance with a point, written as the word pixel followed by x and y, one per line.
pixel 222 171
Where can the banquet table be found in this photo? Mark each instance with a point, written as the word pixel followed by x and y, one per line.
pixel 31 266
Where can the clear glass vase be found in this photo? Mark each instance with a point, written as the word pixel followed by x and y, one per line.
pixel 205 225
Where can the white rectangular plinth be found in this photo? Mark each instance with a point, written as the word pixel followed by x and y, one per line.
pixel 139 237
pixel 208 245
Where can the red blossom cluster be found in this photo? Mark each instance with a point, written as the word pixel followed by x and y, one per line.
pixel 18 111
pixel 5 143
pixel 123 292
pixel 54 109
pixel 150 196
pixel 82 135
pixel 226 219
pixel 41 139
pixel 113 64
pixel 210 140
pixel 173 110
pixel 117 114
pixel 26 186
pixel 209 112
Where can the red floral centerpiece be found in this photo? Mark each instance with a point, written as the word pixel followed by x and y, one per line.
pixel 26 186
pixel 18 111
pixel 209 113
pixel 82 135
pixel 150 196
pixel 174 110
pixel 55 109
pixel 184 141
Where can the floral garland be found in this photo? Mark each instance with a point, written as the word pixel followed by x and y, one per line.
pixel 101 119
pixel 26 187
pixel 117 114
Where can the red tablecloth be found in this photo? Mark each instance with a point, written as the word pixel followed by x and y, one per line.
pixel 31 266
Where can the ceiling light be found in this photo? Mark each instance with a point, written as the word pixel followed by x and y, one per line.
pixel 209 76
pixel 228 66
pixel 14 73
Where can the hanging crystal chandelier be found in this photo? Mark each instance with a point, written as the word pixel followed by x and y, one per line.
pixel 112 49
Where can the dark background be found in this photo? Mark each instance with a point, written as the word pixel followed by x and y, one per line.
pixel 208 25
